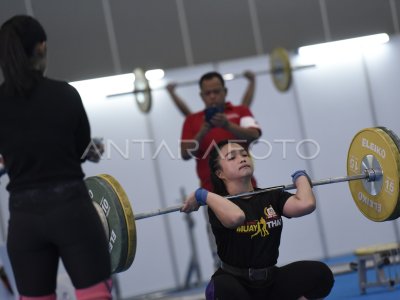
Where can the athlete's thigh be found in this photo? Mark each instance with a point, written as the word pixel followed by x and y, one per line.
pixel 83 244
pixel 303 278
pixel 226 287
pixel 34 260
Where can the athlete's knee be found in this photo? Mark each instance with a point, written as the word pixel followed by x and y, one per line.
pixel 324 283
pixel 328 280
pixel 47 297
pixel 99 291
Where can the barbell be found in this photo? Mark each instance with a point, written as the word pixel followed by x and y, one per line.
pixel 280 68
pixel 373 174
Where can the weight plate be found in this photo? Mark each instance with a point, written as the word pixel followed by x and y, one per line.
pixel 378 147
pixel 103 218
pixel 142 90
pixel 107 193
pixel 280 69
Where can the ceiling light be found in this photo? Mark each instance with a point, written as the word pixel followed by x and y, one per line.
pixel 155 74
pixel 228 76
pixel 343 47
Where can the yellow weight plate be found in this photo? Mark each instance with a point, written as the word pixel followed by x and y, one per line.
pixel 131 240
pixel 280 69
pixel 142 90
pixel 377 146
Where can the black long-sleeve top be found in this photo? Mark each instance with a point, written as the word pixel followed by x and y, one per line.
pixel 43 136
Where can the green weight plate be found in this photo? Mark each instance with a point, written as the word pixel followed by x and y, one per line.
pixel 108 194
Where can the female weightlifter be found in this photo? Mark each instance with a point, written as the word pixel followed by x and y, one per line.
pixel 248 232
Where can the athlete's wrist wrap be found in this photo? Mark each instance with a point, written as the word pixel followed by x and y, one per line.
pixel 201 196
pixel 299 173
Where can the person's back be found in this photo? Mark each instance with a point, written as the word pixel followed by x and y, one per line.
pixel 43 135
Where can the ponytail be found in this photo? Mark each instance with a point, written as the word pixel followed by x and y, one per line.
pixel 18 39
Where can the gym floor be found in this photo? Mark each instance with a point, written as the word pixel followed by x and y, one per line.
pixel 346 285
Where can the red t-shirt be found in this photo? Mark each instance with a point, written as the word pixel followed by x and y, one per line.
pixel 239 115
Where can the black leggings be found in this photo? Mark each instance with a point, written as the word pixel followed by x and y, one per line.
pixel 52 223
pixel 311 279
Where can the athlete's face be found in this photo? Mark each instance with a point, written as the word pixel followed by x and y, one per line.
pixel 234 162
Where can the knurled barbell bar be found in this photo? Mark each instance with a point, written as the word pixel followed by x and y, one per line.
pixel 280 68
pixel 373 174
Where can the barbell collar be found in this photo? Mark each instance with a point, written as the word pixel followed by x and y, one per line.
pixel 373 175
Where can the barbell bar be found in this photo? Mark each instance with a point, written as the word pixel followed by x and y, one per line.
pixel 370 175
pixel 280 68
pixel 373 175
pixel 227 77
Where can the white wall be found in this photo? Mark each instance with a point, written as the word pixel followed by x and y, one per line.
pixel 336 105
pixel 328 104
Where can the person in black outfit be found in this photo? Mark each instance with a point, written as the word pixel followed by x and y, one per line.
pixel 248 231
pixel 44 138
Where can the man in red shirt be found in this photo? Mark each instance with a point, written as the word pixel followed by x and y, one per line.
pixel 220 120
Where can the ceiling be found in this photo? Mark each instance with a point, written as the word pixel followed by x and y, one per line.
pixel 95 38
